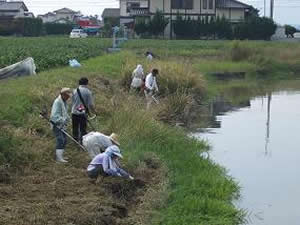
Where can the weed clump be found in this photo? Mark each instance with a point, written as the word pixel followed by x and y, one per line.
pixel 240 52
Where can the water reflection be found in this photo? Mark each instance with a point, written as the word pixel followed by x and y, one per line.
pixel 268 122
pixel 220 106
pixel 259 145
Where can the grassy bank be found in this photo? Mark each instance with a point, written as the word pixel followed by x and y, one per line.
pixel 179 186
pixel 257 58
pixel 174 184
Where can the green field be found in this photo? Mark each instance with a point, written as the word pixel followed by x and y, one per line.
pixel 50 52
pixel 180 186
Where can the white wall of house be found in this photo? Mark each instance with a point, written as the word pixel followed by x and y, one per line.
pixel 234 15
pixel 68 16
pixel 123 6
pixel 20 13
pixel 48 19
pixel 198 7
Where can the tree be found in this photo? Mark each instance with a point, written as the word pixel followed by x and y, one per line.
pixel 157 23
pixel 289 31
pixel 255 28
pixel 252 12
pixel 141 27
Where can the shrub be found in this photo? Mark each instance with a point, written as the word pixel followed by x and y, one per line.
pixel 255 28
pixel 155 26
pixel 158 23
pixel 141 27
pixel 57 28
pixel 240 52
pixel 30 27
pixel 290 30
pixel 195 29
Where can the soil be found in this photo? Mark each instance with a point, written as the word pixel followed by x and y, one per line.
pixel 60 194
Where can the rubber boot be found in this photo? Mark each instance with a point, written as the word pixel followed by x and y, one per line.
pixel 59 156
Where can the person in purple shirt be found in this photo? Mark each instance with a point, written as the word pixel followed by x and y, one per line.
pixel 106 164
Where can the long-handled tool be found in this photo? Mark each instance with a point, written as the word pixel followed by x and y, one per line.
pixel 155 100
pixel 90 123
pixel 44 116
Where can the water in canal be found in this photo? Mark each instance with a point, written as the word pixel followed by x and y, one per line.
pixel 259 144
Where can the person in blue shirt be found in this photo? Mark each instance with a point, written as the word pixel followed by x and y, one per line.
pixel 106 164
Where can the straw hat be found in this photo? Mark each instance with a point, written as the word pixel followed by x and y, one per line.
pixel 114 138
pixel 67 91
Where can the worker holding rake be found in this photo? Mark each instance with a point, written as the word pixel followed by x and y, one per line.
pixel 59 119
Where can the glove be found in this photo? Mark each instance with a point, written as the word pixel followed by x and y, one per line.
pixel 131 177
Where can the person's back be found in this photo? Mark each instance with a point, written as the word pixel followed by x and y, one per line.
pixel 137 77
pixel 77 105
pixel 96 142
pixel 97 160
pixel 82 104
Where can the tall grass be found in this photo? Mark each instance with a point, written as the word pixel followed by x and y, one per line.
pixel 199 191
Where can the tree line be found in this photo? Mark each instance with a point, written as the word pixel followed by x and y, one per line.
pixel 32 27
pixel 184 27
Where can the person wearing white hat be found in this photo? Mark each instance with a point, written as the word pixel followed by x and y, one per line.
pixel 106 164
pixel 137 78
pixel 96 142
pixel 60 118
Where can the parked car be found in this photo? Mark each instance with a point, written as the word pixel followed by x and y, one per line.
pixel 78 33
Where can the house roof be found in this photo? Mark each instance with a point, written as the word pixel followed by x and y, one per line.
pixel 8 6
pixel 65 10
pixel 111 12
pixel 231 4
pixel 47 14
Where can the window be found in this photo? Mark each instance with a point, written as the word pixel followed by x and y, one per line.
pixel 211 4
pixel 132 5
pixel 204 4
pixel 182 4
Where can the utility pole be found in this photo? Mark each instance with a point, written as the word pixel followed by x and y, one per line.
pixel 272 9
pixel 264 8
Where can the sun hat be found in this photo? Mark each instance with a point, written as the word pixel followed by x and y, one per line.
pixel 114 138
pixel 114 150
pixel 66 90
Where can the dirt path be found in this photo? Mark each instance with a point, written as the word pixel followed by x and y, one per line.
pixel 62 194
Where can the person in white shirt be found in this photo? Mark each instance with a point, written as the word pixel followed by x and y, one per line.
pixel 137 78
pixel 149 56
pixel 151 86
pixel 96 142
pixel 60 118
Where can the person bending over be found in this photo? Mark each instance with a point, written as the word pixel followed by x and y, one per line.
pixel 106 164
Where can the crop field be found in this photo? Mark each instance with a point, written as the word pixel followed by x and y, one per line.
pixel 50 52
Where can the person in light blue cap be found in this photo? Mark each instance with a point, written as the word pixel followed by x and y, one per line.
pixel 106 164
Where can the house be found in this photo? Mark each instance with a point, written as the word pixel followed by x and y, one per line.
pixel 64 15
pixel 48 17
pixel 232 10
pixel 110 13
pixel 14 9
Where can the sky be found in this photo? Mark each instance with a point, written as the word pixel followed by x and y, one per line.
pixel 285 11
